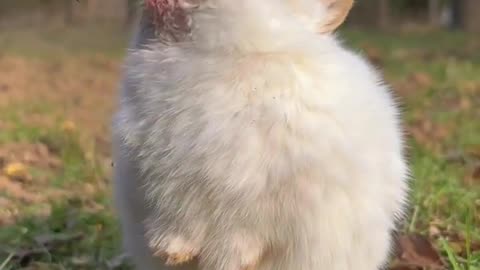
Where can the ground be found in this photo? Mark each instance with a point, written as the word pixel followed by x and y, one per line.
pixel 57 92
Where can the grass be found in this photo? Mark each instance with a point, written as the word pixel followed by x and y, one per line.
pixel 70 225
pixel 53 40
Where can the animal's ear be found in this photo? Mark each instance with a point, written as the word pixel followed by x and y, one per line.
pixel 337 11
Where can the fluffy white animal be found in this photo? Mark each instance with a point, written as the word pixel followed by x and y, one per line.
pixel 248 137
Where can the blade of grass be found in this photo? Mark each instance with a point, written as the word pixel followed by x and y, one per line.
pixel 451 255
pixel 411 227
pixel 7 260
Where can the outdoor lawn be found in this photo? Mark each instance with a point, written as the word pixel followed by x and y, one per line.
pixel 57 92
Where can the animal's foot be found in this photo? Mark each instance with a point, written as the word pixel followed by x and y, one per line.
pixel 175 251
pixel 250 251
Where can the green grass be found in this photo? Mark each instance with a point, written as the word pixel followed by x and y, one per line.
pixel 440 196
pixel 53 41
pixel 89 237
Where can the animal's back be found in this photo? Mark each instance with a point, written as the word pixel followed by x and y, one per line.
pixel 305 149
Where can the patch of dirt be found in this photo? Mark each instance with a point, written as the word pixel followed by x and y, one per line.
pixel 431 135
pixel 34 154
pixel 80 89
pixel 26 174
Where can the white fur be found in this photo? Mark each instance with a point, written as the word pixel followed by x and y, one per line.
pixel 261 135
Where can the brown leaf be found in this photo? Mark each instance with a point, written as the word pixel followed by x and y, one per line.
pixel 416 251
pixel 401 267
pixel 397 265
pixel 17 171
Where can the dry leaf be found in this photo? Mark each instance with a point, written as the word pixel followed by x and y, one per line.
pixel 416 251
pixel 16 170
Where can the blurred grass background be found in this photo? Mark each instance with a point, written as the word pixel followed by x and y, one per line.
pixel 59 72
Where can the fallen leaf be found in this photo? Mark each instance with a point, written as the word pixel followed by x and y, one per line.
pixel 400 266
pixel 416 251
pixel 17 171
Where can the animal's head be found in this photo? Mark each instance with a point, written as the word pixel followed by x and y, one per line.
pixel 321 16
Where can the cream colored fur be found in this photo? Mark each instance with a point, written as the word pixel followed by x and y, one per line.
pixel 259 141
